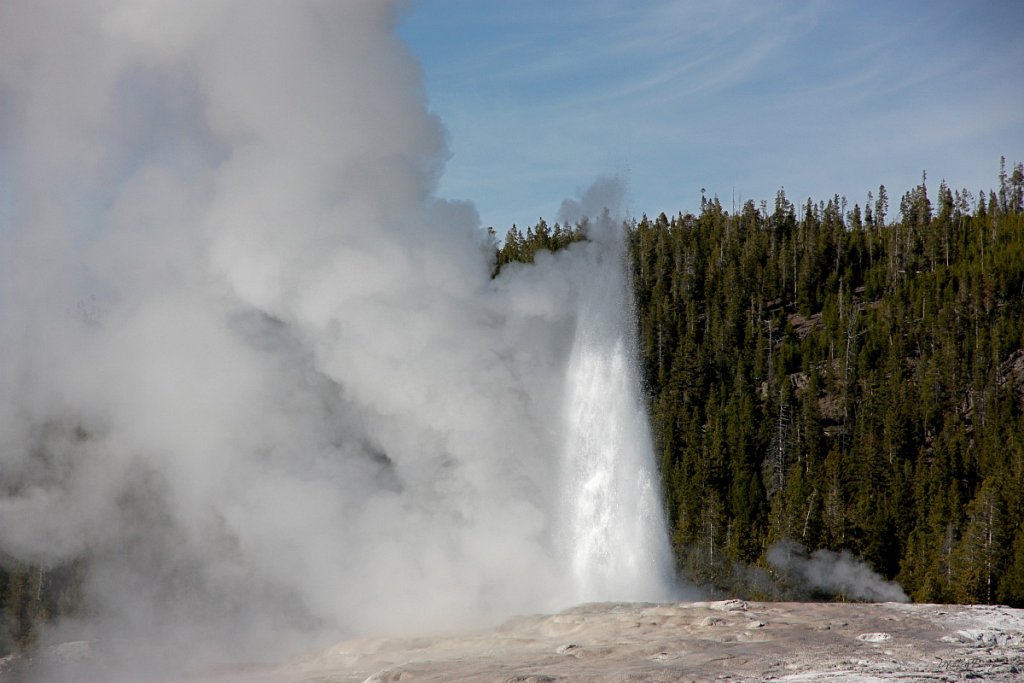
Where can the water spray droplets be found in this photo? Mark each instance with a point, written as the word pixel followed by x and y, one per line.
pixel 614 532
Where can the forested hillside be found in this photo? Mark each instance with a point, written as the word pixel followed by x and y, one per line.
pixel 823 374
pixel 829 375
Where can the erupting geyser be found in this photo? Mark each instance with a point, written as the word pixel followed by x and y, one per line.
pixel 258 385
pixel 615 533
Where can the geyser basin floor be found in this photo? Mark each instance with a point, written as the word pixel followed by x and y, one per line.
pixel 700 641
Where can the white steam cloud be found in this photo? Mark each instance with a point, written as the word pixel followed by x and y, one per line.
pixel 255 375
pixel 835 573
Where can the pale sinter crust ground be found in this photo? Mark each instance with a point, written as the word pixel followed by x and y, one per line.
pixel 704 641
pixel 729 640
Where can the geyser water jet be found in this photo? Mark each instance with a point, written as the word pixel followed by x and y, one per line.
pixel 299 407
pixel 614 527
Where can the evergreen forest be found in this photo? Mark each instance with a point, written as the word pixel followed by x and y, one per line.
pixel 848 378
pixel 827 376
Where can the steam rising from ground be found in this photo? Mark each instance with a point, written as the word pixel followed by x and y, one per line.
pixel 255 374
pixel 834 573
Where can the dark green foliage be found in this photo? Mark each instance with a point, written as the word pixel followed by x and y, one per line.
pixel 842 381
pixel 827 376
pixel 523 248
pixel 30 596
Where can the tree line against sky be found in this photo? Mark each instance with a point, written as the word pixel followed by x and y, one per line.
pixel 838 376
pixel 821 374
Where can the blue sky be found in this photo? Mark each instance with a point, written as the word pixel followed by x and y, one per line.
pixel 738 97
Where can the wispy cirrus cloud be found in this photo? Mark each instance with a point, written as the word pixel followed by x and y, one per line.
pixel 822 98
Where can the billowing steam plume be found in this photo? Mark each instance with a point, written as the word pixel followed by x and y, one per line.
pixel 834 573
pixel 256 378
